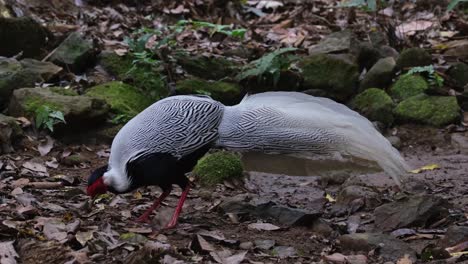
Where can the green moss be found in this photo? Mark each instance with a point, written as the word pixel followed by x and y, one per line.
pixel 337 77
pixel 407 86
pixel 431 110
pixel 123 99
pixel 63 91
pixel 219 166
pixel 227 93
pixel 375 104
pixel 413 57
pixel 213 68
pixel 32 103
pixel 459 73
pixel 140 76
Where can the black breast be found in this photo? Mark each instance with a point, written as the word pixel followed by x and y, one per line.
pixel 163 169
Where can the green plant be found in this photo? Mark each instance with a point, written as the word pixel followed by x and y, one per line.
pixel 269 65
pixel 432 76
pixel 48 118
pixel 368 5
pixel 215 28
pixel 454 3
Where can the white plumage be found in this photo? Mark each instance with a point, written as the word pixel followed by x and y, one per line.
pixel 272 122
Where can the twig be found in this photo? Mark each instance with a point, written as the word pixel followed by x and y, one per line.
pixel 44 185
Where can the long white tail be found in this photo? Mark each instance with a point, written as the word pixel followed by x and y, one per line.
pixel 290 122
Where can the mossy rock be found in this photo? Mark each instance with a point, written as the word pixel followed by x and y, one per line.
pixel 430 110
pixel 217 167
pixel 227 93
pixel 337 77
pixel 74 53
pixel 407 86
pixel 143 77
pixel 459 73
pixel 9 132
pixel 212 68
pixel 380 75
pixel 78 110
pixel 123 99
pixel 413 57
pixel 375 104
pixel 21 35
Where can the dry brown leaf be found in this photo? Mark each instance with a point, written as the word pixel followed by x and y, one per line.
pixel 46 146
pixel 263 227
pixel 8 253
pixel 405 260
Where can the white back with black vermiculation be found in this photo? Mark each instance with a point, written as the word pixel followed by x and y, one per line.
pixel 175 125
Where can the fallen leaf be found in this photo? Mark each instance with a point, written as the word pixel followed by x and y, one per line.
pixel 225 257
pixel 46 146
pixel 426 168
pixel 405 260
pixel 330 198
pixel 55 230
pixel 410 28
pixel 139 230
pixel 199 244
pixel 52 163
pixel 84 237
pixel 8 253
pixel 263 226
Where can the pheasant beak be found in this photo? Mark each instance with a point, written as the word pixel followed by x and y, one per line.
pixel 98 187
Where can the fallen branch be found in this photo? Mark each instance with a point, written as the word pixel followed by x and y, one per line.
pixel 44 185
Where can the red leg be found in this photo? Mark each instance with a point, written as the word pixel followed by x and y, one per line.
pixel 178 209
pixel 145 216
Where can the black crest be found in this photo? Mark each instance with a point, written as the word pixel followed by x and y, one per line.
pixel 96 174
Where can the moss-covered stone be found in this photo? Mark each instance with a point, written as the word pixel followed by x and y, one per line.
pixel 227 93
pixel 431 110
pixel 337 77
pixel 213 68
pixel 413 57
pixel 9 131
pixel 21 35
pixel 143 77
pixel 459 74
pixel 123 99
pixel 407 86
pixel 63 91
pixel 75 53
pixel 219 166
pixel 79 111
pixel 375 104
pixel 380 75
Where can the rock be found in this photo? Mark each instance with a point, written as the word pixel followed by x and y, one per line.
pixel 264 244
pixel 380 75
pixel 337 42
pixel 227 93
pixel 353 197
pixel 74 53
pixel 412 211
pixel 459 73
pixel 460 141
pixel 284 252
pixel 454 235
pixel 217 167
pixel 124 100
pixel 375 104
pixel 79 111
pixel 246 245
pixel 463 99
pixel 367 55
pixel 322 228
pixel 395 141
pixel 18 74
pixel 73 160
pixel 288 81
pixel 389 248
pixel 211 68
pixel 335 76
pixel 430 110
pixel 9 131
pixel 21 35
pixel 407 86
pixel 413 57
pixel 141 76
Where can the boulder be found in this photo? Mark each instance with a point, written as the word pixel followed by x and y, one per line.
pixel 217 167
pixel 353 197
pixel 335 76
pixel 430 110
pixel 454 235
pixel 413 57
pixel 140 76
pixel 459 74
pixel 9 131
pixel 380 75
pixel 407 86
pixel 412 211
pixel 21 35
pixel 227 93
pixel 375 104
pixel 74 53
pixel 18 74
pixel 388 247
pixel 211 68
pixel 79 111
pixel 124 100
pixel 337 42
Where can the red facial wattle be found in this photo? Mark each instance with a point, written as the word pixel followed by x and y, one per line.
pixel 98 187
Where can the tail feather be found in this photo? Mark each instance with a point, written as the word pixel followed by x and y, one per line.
pixel 290 122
